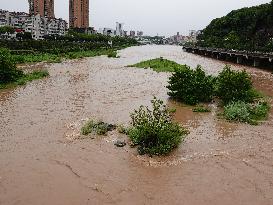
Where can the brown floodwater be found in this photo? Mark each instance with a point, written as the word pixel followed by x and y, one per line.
pixel 44 160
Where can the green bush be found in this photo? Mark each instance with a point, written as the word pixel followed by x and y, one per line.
pixel 191 86
pixel 246 112
pixel 234 86
pixel 237 111
pixel 112 54
pixel 99 128
pixel 8 70
pixel 153 130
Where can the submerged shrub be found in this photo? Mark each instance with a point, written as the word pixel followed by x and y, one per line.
pixel 99 128
pixel 246 112
pixel 201 109
pixel 237 111
pixel 153 130
pixel 112 54
pixel 8 70
pixel 235 86
pixel 191 86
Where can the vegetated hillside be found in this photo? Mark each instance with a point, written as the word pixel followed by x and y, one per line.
pixel 244 29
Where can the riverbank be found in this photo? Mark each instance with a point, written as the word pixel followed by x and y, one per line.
pixel 44 159
pixel 58 58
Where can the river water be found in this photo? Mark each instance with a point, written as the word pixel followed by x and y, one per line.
pixel 44 160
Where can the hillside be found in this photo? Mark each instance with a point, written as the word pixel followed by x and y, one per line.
pixel 244 29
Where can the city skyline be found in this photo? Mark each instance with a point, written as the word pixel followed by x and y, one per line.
pixel 167 17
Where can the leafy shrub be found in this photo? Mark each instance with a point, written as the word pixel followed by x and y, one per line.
pixel 237 111
pixel 99 128
pixel 259 110
pixel 153 131
pixel 234 86
pixel 246 112
pixel 8 71
pixel 191 86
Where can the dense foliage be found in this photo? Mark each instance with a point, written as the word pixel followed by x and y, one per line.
pixel 8 71
pixel 234 86
pixel 191 86
pixel 243 29
pixel 153 130
pixel 6 29
pixel 73 42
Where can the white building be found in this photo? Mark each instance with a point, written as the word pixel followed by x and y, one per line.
pixel 107 31
pixel 17 19
pixel 119 29
pixel 139 33
pixel 38 26
pixel 56 27
pixel 4 18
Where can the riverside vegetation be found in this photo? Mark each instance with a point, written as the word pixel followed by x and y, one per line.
pixel 240 100
pixel 243 29
pixel 11 76
pixel 73 45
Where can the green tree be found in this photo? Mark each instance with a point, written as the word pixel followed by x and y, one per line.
pixel 8 71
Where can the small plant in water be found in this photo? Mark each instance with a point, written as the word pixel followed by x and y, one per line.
pixel 201 109
pixel 246 112
pixel 153 130
pixel 113 54
pixel 99 128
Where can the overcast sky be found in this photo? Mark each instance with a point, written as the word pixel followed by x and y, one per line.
pixel 163 17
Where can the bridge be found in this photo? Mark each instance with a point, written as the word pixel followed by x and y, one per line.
pixel 256 59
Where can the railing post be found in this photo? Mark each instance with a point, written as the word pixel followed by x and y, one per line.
pixel 239 60
pixel 256 62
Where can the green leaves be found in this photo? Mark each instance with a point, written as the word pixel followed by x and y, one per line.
pixel 8 71
pixel 246 112
pixel 234 86
pixel 191 86
pixel 153 130
pixel 243 29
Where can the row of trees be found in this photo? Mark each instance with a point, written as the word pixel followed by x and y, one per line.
pixel 243 29
pixel 69 43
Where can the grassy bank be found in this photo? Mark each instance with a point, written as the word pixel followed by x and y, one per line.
pixel 22 80
pixel 56 58
pixel 158 65
pixel 10 76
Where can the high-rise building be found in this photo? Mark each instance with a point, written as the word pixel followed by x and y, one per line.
pixel 79 13
pixel 43 7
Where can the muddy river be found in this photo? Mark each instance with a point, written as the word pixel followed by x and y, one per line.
pixel 44 160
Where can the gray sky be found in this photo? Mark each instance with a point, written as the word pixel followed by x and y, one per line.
pixel 163 17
